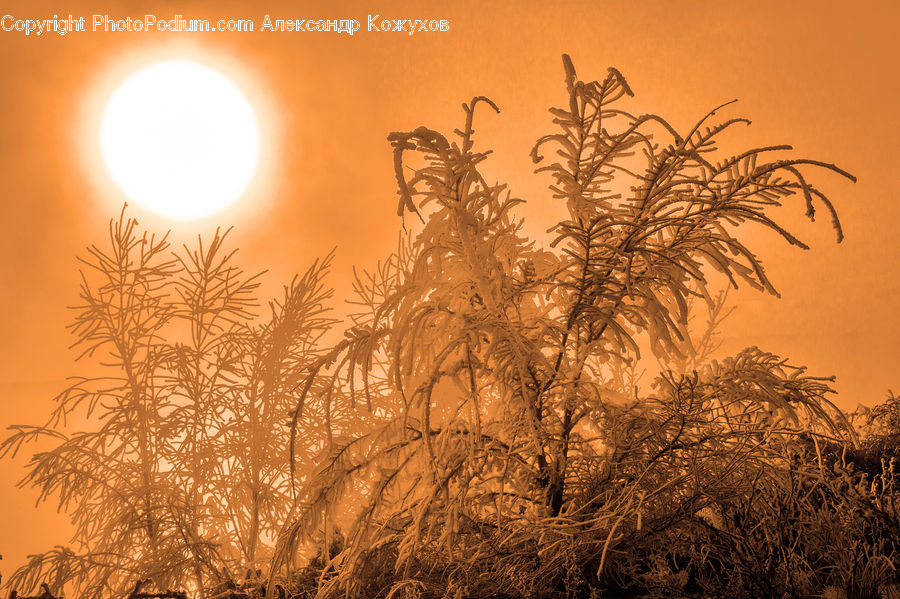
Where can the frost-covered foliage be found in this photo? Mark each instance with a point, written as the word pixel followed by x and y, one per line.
pixel 477 430
pixel 178 469
pixel 515 458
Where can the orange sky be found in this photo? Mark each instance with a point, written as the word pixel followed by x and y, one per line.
pixel 819 75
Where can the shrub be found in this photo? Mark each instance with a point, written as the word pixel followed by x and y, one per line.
pixel 513 461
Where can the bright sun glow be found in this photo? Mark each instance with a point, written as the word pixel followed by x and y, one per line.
pixel 180 139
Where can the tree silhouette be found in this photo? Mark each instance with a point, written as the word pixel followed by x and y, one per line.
pixel 182 476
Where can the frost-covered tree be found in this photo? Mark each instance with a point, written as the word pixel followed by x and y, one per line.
pixel 178 470
pixel 514 457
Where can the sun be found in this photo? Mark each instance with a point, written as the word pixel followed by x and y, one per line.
pixel 180 139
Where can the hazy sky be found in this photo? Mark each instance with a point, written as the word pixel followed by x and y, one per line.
pixel 819 75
